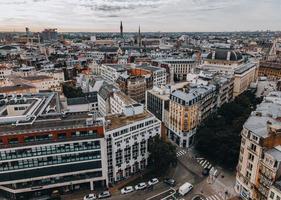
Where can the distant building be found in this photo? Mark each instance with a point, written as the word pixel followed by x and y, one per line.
pixel 179 67
pixel 133 86
pixel 49 35
pixel 270 69
pixel 232 63
pixel 111 72
pixel 155 76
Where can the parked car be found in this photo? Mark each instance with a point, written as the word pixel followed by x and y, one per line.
pixel 127 190
pixel 90 197
pixel 55 195
pixel 140 186
pixel 153 181
pixel 170 182
pixel 205 172
pixel 185 188
pixel 104 194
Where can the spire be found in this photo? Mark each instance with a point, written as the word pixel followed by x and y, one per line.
pixel 139 37
pixel 121 29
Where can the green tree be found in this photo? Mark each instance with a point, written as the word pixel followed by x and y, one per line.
pixel 71 92
pixel 218 137
pixel 162 155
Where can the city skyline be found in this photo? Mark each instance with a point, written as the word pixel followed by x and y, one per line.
pixel 152 15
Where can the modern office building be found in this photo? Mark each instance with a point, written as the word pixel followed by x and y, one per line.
pixel 43 149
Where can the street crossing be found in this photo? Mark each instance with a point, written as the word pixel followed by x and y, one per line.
pixel 214 197
pixel 204 163
pixel 181 153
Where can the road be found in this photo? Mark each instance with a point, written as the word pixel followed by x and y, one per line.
pixel 189 170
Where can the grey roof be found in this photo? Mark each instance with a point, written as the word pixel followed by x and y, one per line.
pixel 106 90
pixel 221 54
pixel 117 67
pixel 149 67
pixel 275 153
pixel 244 68
pixel 82 100
pixel 257 122
pixel 194 93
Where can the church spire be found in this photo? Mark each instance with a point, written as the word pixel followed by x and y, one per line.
pixel 139 37
pixel 121 30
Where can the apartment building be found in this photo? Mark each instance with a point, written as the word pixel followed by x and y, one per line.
pixel 259 165
pixel 42 149
pixel 232 63
pixel 178 66
pixel 127 142
pixel 154 76
pixel 270 69
pixel 111 72
pixel 243 77
pixel 275 191
pixel 133 86
pixel 188 107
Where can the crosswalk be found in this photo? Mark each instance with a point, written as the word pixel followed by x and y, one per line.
pixel 181 153
pixel 214 197
pixel 204 163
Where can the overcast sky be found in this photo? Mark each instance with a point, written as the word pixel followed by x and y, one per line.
pixel 152 15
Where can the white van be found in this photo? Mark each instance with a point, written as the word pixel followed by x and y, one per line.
pixel 185 188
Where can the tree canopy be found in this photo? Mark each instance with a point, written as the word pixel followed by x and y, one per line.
pixel 71 91
pixel 218 137
pixel 162 155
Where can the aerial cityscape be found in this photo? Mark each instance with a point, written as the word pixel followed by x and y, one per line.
pixel 140 100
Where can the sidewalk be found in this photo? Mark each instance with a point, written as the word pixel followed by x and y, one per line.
pixel 123 183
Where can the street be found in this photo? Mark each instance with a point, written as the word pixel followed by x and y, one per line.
pixel 189 169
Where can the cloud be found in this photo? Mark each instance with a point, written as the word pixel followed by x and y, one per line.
pixel 153 15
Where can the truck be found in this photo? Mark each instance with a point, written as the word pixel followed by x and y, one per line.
pixel 185 188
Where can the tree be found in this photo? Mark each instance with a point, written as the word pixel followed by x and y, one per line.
pixel 71 92
pixel 162 155
pixel 218 137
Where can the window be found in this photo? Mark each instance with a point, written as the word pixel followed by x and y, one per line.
pixel 251 157
pixel 253 147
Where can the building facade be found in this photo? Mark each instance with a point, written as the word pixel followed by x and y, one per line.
pixel 43 150
pixel 127 143
pixel 260 152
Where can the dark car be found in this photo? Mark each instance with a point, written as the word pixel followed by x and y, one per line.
pixel 205 172
pixel 170 182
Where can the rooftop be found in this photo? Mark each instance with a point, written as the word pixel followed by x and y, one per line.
pixel 72 121
pixel 118 121
pixel 18 87
pixel 194 92
pixel 244 68
pixel 275 152
pixel 149 67
pixel 267 111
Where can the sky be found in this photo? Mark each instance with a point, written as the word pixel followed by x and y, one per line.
pixel 151 15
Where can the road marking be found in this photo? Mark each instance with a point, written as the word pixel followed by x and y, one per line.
pixel 213 197
pixel 181 153
pixel 162 193
pixel 205 165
